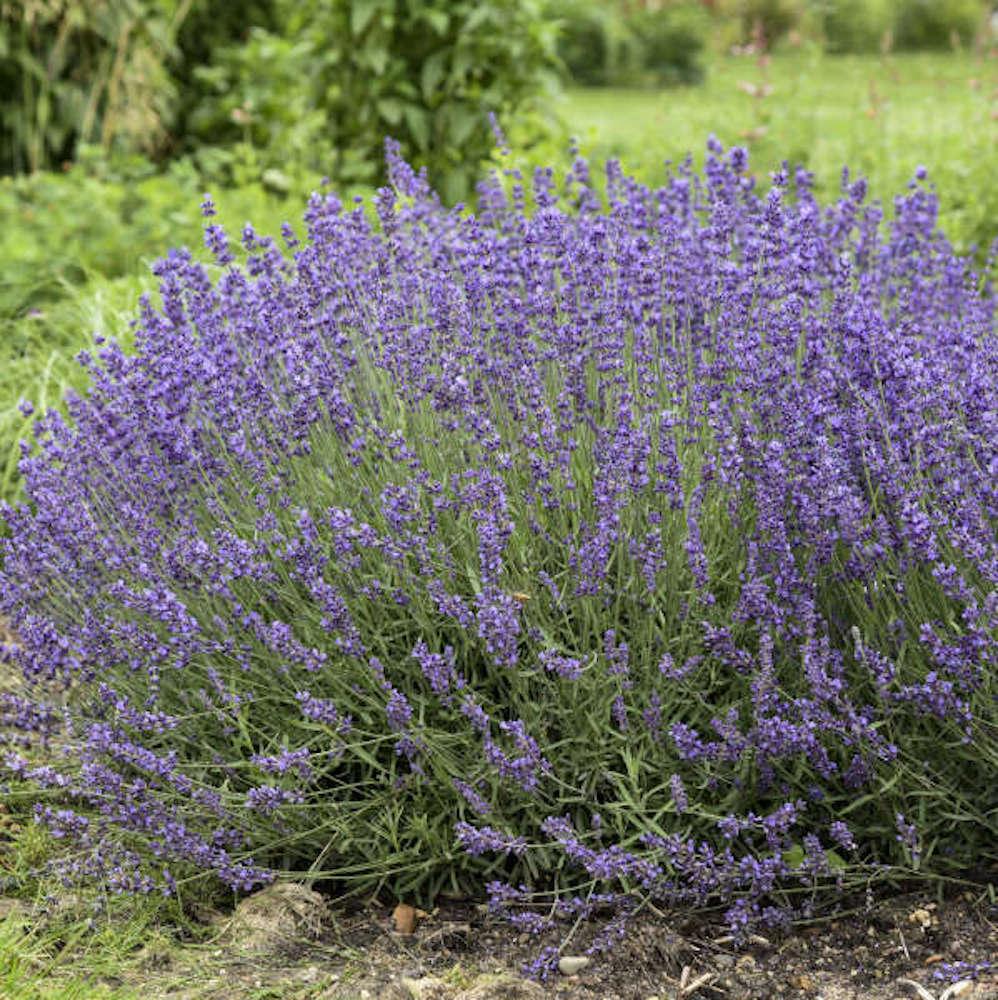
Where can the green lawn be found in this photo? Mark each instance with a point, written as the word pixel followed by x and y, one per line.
pixel 882 117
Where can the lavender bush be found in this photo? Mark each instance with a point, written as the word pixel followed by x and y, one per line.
pixel 630 550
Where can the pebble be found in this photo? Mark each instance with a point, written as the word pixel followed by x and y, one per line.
pixel 961 988
pixel 570 965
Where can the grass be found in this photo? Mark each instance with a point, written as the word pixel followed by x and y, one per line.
pixel 881 116
pixel 30 969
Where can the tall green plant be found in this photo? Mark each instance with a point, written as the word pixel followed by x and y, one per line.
pixel 337 75
pixel 855 25
pixel 92 71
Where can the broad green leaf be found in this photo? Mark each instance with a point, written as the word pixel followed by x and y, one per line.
pixel 439 20
pixel 418 121
pixel 361 13
pixel 460 65
pixel 835 861
pixel 794 857
pixel 374 59
pixel 432 73
pixel 390 109
pixel 463 121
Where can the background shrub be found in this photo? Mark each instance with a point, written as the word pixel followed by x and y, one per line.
pixel 82 71
pixel 612 44
pixel 771 19
pixel 271 85
pixel 586 41
pixel 855 25
pixel 937 24
pixel 671 39
pixel 332 78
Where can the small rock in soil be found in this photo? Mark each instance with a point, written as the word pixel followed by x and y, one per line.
pixel 571 965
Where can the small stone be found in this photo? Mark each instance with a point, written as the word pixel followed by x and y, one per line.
pixel 960 989
pixel 404 917
pixel 745 964
pixel 803 982
pixel 570 965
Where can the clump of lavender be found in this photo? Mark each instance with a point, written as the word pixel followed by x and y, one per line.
pixel 643 537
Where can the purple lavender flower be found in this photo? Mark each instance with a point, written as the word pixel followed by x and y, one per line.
pixel 564 666
pixel 907 837
pixel 485 839
pixel 268 798
pixel 679 799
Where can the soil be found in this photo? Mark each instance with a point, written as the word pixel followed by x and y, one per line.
pixel 292 944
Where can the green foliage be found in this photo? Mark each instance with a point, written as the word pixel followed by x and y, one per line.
pixel 83 71
pixel 588 36
pixel 916 25
pixel 601 44
pixel 855 25
pixel 767 20
pixel 937 24
pixel 336 77
pixel 672 39
pixel 26 963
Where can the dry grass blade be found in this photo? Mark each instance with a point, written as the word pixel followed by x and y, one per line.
pixel 922 992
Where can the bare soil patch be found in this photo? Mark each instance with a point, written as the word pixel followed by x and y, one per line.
pixel 296 946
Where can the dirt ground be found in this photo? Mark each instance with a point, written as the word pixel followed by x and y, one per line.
pixel 289 943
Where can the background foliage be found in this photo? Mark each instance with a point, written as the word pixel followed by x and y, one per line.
pixel 862 25
pixel 83 71
pixel 334 78
pixel 316 84
pixel 602 44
